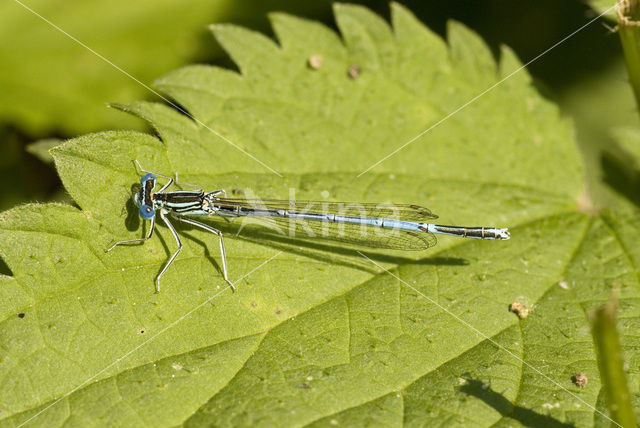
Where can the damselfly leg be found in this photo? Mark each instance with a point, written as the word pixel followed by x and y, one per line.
pixel 133 241
pixel 177 238
pixel 222 252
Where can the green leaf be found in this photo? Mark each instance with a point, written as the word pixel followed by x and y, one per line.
pixel 51 83
pixel 396 97
pixel 316 333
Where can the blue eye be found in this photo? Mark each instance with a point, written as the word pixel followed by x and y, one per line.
pixel 148 176
pixel 146 212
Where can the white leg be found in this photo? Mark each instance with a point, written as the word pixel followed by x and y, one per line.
pixel 177 238
pixel 222 252
pixel 166 186
pixel 131 241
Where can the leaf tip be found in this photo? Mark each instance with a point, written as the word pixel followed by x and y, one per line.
pixel 400 13
pixel 279 16
pixel 218 29
pixel 338 6
pixel 398 8
pixel 118 106
pixel 346 8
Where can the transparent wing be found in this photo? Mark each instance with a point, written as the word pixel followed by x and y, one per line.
pixel 394 211
pixel 356 234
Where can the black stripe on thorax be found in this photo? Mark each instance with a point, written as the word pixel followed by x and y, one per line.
pixel 181 201
pixel 180 197
pixel 146 193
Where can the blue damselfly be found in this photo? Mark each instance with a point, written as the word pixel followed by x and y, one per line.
pixel 393 226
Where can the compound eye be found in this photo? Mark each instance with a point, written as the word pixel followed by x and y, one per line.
pixel 148 176
pixel 146 212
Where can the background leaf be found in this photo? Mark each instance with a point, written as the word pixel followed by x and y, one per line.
pixel 604 5
pixel 319 334
pixel 595 127
pixel 50 83
pixel 621 163
pixel 41 148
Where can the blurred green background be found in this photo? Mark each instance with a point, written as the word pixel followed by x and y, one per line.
pixel 52 88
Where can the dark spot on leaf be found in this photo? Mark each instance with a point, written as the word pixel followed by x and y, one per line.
pixel 277 311
pixel 21 315
pixel 303 385
pixel 580 379
pixel 519 309
pixel 254 304
pixel 141 331
pixel 354 71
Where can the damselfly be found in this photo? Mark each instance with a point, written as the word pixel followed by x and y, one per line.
pixel 392 226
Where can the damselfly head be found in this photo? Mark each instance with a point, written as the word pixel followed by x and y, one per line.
pixel 143 197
